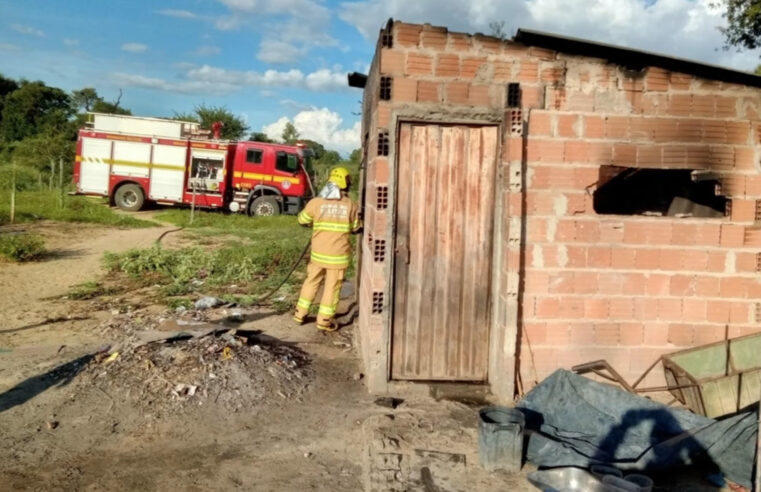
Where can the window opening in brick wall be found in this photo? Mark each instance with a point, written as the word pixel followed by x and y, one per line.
pixel 385 88
pixel 383 143
pixel 657 192
pixel 382 197
pixel 380 250
pixel 377 302
pixel 516 122
pixel 387 39
pixel 513 95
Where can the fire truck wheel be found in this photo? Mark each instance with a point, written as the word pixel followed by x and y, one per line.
pixel 265 205
pixel 129 197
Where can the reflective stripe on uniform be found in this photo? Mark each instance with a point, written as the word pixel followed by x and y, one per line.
pixel 304 218
pixel 327 310
pixel 355 225
pixel 338 260
pixel 332 226
pixel 304 303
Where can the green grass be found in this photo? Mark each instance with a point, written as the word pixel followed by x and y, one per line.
pixel 37 205
pixel 21 247
pixel 90 290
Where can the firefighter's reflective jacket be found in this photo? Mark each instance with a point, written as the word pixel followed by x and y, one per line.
pixel 332 222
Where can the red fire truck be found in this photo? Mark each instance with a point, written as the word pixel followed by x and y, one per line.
pixel 134 159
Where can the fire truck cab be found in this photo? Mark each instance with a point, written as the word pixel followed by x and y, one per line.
pixel 134 159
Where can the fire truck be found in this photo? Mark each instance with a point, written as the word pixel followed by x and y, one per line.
pixel 133 160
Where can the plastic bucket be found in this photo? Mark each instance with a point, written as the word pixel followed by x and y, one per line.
pixel 500 438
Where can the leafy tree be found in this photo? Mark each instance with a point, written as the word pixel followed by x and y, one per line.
pixel 290 134
pixel 33 108
pixel 355 158
pixel 330 158
pixel 317 148
pixel 743 23
pixel 233 127
pixel 497 29
pixel 7 85
pixel 260 137
pixel 84 99
pixel 101 106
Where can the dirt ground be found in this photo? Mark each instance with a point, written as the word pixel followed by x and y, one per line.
pixel 258 404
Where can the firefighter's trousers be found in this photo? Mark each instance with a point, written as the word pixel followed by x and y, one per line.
pixel 315 274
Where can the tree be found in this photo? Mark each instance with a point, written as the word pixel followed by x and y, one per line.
pixel 318 150
pixel 743 23
pixel 34 108
pixel 233 127
pixel 84 99
pixel 497 29
pixel 260 137
pixel 355 157
pixel 290 134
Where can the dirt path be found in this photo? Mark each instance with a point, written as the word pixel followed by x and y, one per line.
pixel 67 425
pixel 76 254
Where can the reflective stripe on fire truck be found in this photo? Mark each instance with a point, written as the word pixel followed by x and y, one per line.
pixel 267 177
pixel 333 260
pixel 117 162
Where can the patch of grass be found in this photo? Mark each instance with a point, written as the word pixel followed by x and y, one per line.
pixel 90 290
pixel 216 223
pixel 37 205
pixel 254 268
pixel 22 247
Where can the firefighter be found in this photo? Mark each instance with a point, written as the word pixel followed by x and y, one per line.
pixel 333 216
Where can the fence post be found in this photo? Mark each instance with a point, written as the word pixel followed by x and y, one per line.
pixel 60 182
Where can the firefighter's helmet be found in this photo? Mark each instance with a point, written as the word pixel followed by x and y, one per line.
pixel 340 177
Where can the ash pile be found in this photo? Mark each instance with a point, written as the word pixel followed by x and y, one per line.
pixel 168 366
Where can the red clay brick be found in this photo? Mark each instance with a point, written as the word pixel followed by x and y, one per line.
pixel 436 39
pixel 471 66
pixel 418 64
pixel 536 332
pixel 658 285
pixel 734 287
pixel 585 282
pixel 567 125
pixel 582 333
pixel 528 72
pixel 680 105
pixel 703 106
pixel 561 283
pixel 681 335
pixel 743 210
pixel 657 79
pixel 694 260
pixel 457 92
pixel 607 334
pixel 405 90
pixel 753 186
pixel 738 132
pixel 572 308
pixel 682 285
pixel 391 62
pixel 745 158
pixel 732 236
pixel 669 309
pixel 726 107
pixel 610 283
pixel 646 309
pixel 448 66
pixel 407 34
pixel 632 334
pixel 740 313
pixel 539 124
pixel 746 262
pixel 656 334
pixel 545 151
pixel 705 334
pixel 531 97
pixel 617 127
pixel 694 309
pixel 487 43
pixel 635 284
pixel 670 259
pixel 624 155
pixel 707 286
pixel 594 126
pixel 599 256
pixel 611 232
pixel 383 115
pixel 576 151
pixel 503 71
pixel 541 53
pixel 718 311
pixel 621 308
pixel 647 259
pixel 680 81
pixel 649 156
pixel 683 234
pixel 547 307
pixel 459 42
pixel 596 308
pixel 717 261
pixel 577 256
pixel 479 95
pixel 428 92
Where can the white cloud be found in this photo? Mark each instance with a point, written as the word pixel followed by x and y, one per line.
pixel 289 28
pixel 684 28
pixel 215 80
pixel 28 30
pixel 271 51
pixel 70 42
pixel 180 14
pixel 9 47
pixel 321 125
pixel 207 50
pixel 134 47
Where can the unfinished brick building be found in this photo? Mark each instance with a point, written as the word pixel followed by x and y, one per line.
pixel 540 202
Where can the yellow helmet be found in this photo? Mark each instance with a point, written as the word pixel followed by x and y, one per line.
pixel 339 176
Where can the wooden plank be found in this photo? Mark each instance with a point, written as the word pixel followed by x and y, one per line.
pixel 426 328
pixel 442 241
pixel 403 191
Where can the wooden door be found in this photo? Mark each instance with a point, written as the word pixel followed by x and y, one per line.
pixel 442 285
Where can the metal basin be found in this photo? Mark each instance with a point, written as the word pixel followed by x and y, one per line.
pixel 566 480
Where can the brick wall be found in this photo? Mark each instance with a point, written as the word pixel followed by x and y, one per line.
pixel 572 285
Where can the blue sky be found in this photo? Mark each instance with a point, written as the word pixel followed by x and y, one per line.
pixel 273 61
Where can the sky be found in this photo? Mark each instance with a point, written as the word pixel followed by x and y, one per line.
pixel 274 61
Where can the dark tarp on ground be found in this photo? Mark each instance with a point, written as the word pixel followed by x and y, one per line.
pixel 579 422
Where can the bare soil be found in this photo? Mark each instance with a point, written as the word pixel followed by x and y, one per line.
pixel 256 404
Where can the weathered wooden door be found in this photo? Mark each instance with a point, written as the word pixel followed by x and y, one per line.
pixel 445 197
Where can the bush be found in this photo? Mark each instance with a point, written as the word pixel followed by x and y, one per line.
pixel 22 247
